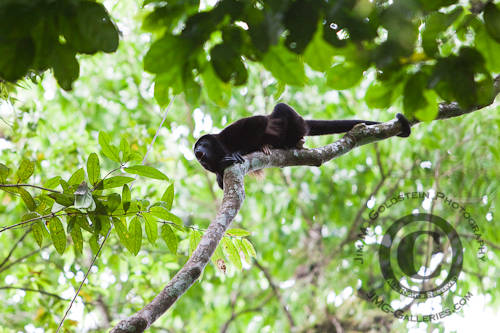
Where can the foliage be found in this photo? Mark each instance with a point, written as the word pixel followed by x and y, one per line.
pixel 37 35
pixel 294 221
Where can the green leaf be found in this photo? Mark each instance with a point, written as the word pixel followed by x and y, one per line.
pixel 38 232
pixel 489 48
pixel 52 182
pixel 151 227
pixel 194 240
pixel 121 230
pixel 218 91
pixel 232 252
pixel 344 75
pixel 4 173
pixel 492 20
pixel 436 24
pixel 319 54
pixel 92 29
pixel 107 149
pixel 57 234
pixel 285 65
pixel 113 201
pixel 66 67
pixel 135 233
pixel 94 245
pixel 27 198
pixel 228 64
pixel 116 181
pixel 218 255
pixel 379 95
pixel 169 237
pixel 76 236
pixel 249 247
pixel 237 232
pixel 168 196
pixel 164 214
pixel 124 149
pixel 126 197
pixel 17 57
pixel 93 168
pixel 168 52
pixel 241 248
pixel 63 199
pixel 77 177
pixel 146 171
pixel 25 170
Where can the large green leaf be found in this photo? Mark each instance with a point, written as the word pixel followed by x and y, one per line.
pixel 107 148
pixel 168 196
pixel 344 75
pixel 93 168
pixel 169 237
pixel 151 227
pixel 116 181
pixel 164 214
pixel 25 170
pixel 66 67
pixel 218 91
pixel 57 234
pixel 146 171
pixel 135 233
pixel 492 20
pixel 285 66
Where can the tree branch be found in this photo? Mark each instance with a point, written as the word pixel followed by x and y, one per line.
pixel 234 194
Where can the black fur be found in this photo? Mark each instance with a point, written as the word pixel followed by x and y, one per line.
pixel 283 128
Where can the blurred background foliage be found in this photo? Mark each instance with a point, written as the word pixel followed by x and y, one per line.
pixel 301 219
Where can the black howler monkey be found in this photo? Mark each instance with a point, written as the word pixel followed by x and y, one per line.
pixel 283 128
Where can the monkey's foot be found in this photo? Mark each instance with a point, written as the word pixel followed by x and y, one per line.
pixel 266 149
pixel 231 159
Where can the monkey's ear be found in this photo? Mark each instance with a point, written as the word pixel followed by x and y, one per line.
pixel 220 180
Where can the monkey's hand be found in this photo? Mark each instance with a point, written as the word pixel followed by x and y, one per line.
pixel 266 149
pixel 229 160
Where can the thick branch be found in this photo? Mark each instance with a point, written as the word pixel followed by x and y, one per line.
pixel 234 194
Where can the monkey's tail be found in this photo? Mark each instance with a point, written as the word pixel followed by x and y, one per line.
pixel 323 127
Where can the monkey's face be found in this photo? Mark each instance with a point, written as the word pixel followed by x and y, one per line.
pixel 205 150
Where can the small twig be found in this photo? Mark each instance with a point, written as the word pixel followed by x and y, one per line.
pixel 22 258
pixel 36 291
pixel 29 185
pixel 53 214
pixel 14 247
pixel 276 292
pixel 84 279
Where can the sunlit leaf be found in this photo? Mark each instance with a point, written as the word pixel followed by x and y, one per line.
pixel 232 252
pixel 151 227
pixel 146 171
pixel 135 233
pixel 93 168
pixel 116 181
pixel 57 234
pixel 168 196
pixel 169 237
pixel 76 236
pixel 25 170
pixel 238 232
pixel 77 177
pixel 164 214
pixel 107 148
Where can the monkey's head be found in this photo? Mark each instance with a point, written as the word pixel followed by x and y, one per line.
pixel 208 151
